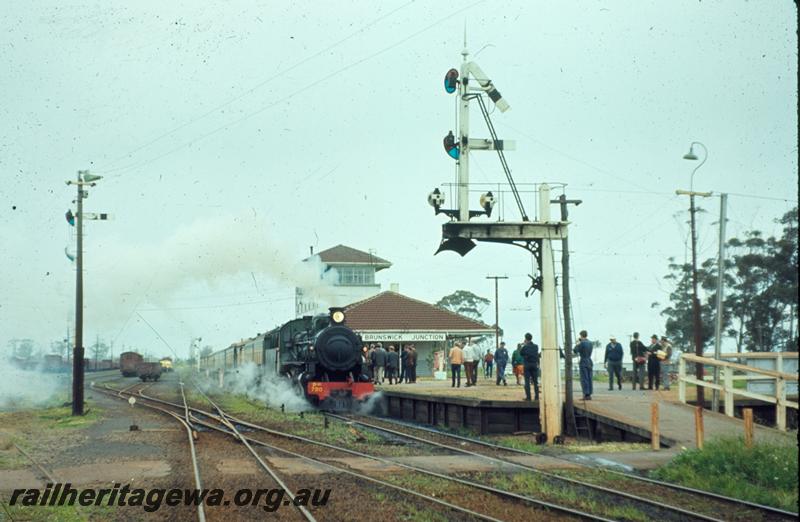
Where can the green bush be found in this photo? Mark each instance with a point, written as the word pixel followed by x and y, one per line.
pixel 765 473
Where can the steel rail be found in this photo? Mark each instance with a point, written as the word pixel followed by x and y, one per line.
pixel 490 489
pixel 201 515
pixel 347 471
pixel 223 418
pixel 633 498
pixel 677 487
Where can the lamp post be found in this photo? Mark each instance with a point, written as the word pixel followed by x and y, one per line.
pixel 696 322
pixel 84 179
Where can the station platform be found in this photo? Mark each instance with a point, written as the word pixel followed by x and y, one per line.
pixel 620 415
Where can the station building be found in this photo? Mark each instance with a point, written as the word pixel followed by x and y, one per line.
pixel 395 319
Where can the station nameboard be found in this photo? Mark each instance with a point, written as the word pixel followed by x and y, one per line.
pixel 402 336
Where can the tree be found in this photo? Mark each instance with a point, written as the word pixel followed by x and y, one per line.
pixel 21 348
pixel 764 297
pixel 206 351
pixel 761 293
pixel 99 350
pixel 679 326
pixel 465 303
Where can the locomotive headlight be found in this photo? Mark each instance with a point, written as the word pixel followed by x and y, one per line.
pixel 337 315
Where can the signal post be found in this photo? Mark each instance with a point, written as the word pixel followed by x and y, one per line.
pixel 461 233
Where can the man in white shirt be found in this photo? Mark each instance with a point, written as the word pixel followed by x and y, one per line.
pixel 470 361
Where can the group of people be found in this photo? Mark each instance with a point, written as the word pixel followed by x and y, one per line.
pixel 524 360
pixel 655 357
pixel 382 365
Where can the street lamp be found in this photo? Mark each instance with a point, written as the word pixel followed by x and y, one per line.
pixel 696 324
pixel 693 157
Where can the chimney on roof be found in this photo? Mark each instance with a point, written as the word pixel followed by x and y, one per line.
pixel 394 287
pixel 311 248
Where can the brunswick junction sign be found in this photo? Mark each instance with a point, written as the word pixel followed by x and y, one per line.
pixel 402 337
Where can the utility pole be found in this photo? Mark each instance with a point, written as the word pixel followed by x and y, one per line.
pixel 696 322
pixel 723 210
pixel 84 179
pixel 568 340
pixel 496 311
pixel 550 407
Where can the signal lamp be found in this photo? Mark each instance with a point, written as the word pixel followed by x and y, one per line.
pixel 487 202
pixel 450 146
pixel 450 81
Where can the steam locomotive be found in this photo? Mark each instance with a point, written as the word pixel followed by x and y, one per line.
pixel 320 355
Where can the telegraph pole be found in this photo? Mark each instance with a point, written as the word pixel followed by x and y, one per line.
pixel 568 340
pixel 723 210
pixel 496 311
pixel 84 179
pixel 696 322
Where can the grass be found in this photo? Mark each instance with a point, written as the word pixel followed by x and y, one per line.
pixel 56 513
pixel 765 473
pixel 533 485
pixel 61 417
pixel 311 425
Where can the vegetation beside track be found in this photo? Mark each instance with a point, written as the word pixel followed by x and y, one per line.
pixel 58 513
pixel 534 486
pixel 765 474
pixel 310 425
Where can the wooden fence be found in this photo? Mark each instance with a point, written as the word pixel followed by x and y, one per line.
pixel 729 370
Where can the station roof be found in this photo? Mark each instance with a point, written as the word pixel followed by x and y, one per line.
pixel 391 311
pixel 344 255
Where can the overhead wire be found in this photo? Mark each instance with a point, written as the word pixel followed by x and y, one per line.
pixel 287 97
pixel 254 88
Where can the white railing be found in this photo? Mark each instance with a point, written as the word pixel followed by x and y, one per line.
pixel 728 377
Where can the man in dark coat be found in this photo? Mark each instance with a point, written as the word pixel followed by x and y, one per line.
pixel 501 360
pixel 653 363
pixel 379 363
pixel 613 362
pixel 530 356
pixel 404 364
pixel 411 374
pixel 639 358
pixel 584 351
pixel 392 362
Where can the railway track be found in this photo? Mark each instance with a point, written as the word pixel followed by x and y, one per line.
pixel 716 503
pixel 538 506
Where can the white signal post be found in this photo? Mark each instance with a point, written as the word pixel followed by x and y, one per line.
pixel 460 234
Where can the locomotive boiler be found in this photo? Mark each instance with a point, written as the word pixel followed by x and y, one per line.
pixel 320 355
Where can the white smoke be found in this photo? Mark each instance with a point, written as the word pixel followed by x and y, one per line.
pixel 249 380
pixel 373 405
pixel 21 388
pixel 210 250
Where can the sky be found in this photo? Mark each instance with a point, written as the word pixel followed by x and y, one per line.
pixel 232 136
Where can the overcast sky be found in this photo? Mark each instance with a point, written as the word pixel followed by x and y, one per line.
pixel 234 135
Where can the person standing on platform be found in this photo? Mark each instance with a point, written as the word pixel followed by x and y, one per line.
pixel 411 375
pixel 469 362
pixel 456 360
pixel 653 366
pixel 666 362
pixel 530 357
pixel 403 364
pixel 584 351
pixel 366 366
pixel 488 362
pixel 392 362
pixel 639 359
pixel 613 362
pixel 501 359
pixel 379 363
pixel 517 364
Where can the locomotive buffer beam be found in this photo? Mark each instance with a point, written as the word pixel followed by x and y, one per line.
pixel 460 236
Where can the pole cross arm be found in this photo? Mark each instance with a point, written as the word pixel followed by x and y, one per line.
pixel 505 231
